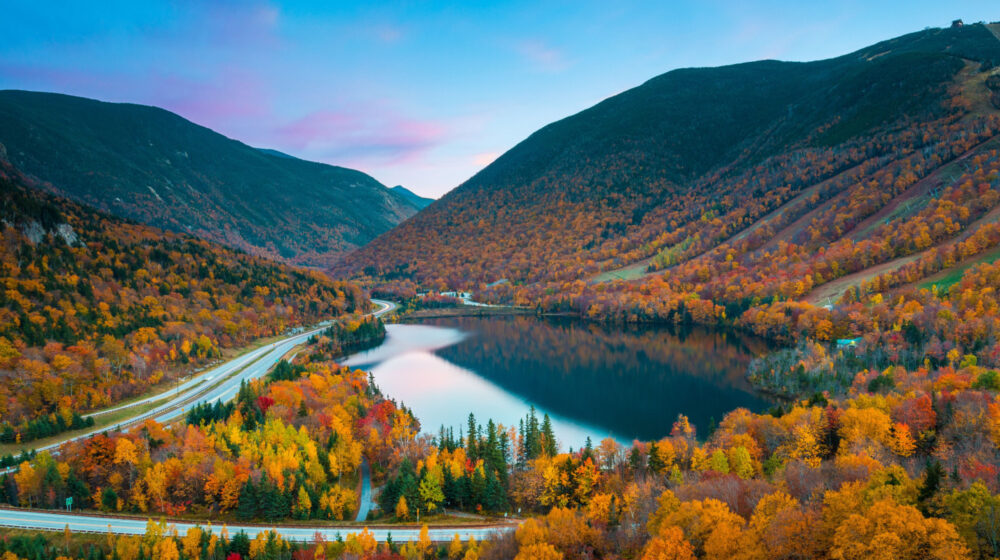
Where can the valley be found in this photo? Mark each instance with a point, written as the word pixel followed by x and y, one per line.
pixel 748 311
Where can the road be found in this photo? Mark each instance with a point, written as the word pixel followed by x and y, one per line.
pixel 218 383
pixel 222 383
pixel 365 503
pixel 45 521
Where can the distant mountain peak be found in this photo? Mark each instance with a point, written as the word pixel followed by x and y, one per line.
pixel 633 174
pixel 151 165
pixel 419 201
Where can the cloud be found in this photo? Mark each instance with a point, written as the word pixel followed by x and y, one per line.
pixel 485 158
pixel 229 97
pixel 360 135
pixel 542 56
pixel 224 101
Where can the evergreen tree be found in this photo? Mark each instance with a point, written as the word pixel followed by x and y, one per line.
pixel 654 461
pixel 109 499
pixel 533 442
pixel 588 451
pixel 635 459
pixel 549 437
pixel 247 507
pixel 494 498
pixel 930 485
pixel 522 451
pixel 472 443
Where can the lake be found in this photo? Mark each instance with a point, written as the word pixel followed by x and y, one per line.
pixel 627 382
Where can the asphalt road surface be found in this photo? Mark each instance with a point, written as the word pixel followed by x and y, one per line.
pixel 365 503
pixel 45 521
pixel 207 388
pixel 218 383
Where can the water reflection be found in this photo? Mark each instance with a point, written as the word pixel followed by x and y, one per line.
pixel 592 379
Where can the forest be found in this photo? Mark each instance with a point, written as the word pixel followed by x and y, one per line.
pixel 288 447
pixel 96 309
pixel 854 229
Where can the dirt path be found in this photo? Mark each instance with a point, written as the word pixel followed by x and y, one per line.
pixel 940 178
pixel 830 292
pixel 637 269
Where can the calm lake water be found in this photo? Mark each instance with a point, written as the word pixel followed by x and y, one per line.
pixel 593 380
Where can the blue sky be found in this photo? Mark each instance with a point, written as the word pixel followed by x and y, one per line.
pixel 422 94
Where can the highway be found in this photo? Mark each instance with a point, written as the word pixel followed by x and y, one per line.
pixel 218 383
pixel 54 521
pixel 221 383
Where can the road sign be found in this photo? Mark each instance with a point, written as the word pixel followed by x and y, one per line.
pixel 69 503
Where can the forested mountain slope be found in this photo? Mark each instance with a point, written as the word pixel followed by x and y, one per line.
pixel 682 163
pixel 418 200
pixel 95 309
pixel 153 166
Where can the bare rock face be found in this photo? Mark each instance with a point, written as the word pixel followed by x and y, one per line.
pixel 66 232
pixel 34 232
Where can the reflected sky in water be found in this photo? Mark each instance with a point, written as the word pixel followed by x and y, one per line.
pixel 593 380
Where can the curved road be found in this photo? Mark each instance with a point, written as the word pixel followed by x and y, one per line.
pixel 214 385
pixel 207 388
pixel 365 502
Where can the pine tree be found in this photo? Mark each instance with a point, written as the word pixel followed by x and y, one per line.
pixel 549 437
pixel 522 452
pixel 472 443
pixel 930 486
pixel 635 459
pixel 588 451
pixel 654 461
pixel 246 507
pixel 533 442
pixel 494 498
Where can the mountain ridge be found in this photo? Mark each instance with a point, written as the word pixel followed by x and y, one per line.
pixel 420 201
pixel 599 185
pixel 154 166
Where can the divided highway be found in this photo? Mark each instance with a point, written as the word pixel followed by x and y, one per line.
pixel 216 384
pixel 221 384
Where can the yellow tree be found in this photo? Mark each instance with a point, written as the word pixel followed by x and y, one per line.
pixel 191 543
pixel 362 543
pixel 402 510
pixel 538 551
pixel 455 548
pixel 888 531
pixel 668 545
pixel 28 481
pixel 424 541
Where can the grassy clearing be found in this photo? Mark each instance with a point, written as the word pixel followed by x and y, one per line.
pixel 630 272
pixel 948 278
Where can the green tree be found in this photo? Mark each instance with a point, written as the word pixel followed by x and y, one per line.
pixel 430 492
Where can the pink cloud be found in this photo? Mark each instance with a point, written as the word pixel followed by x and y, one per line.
pixel 485 158
pixel 230 96
pixel 227 101
pixel 363 135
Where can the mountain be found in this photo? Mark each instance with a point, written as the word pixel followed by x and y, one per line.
pixel 419 201
pixel 97 308
pixel 153 166
pixel 681 164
